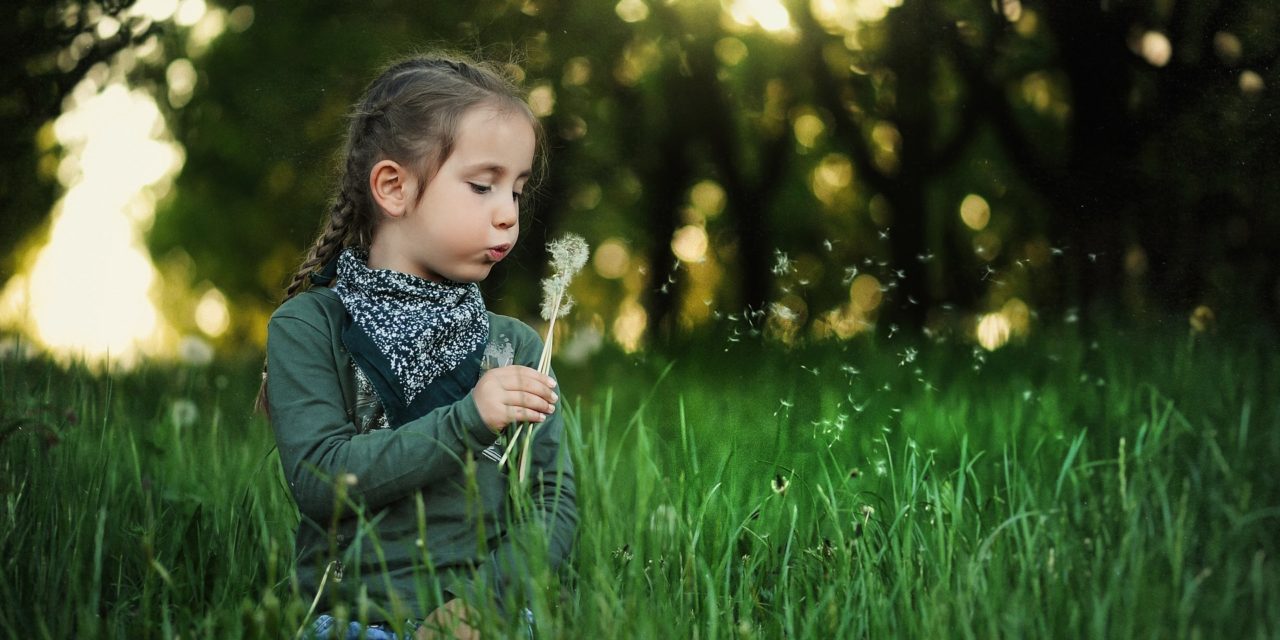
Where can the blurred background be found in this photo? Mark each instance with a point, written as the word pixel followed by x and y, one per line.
pixel 797 169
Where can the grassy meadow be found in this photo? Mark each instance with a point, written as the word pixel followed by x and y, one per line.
pixel 1117 485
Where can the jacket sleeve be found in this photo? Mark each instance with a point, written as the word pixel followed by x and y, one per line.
pixel 320 444
pixel 552 492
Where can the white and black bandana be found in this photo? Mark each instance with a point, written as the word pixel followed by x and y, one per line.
pixel 423 328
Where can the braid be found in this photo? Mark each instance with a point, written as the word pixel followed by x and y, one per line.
pixel 327 246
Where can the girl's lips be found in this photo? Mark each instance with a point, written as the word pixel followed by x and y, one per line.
pixel 499 252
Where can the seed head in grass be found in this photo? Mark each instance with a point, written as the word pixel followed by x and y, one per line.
pixel 568 256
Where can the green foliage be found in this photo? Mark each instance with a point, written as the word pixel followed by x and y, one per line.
pixel 1117 487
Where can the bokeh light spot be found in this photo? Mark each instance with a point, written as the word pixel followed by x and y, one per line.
pixel 1155 48
pixel 690 243
pixel 993 331
pixel 212 315
pixel 975 212
pixel 865 293
pixel 612 259
pixel 632 10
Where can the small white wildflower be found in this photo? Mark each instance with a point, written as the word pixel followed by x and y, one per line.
pixel 194 350
pixel 183 413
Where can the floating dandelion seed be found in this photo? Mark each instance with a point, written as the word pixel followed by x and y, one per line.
pixel 849 274
pixel 782 263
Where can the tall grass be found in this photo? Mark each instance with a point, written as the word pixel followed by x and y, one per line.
pixel 1121 486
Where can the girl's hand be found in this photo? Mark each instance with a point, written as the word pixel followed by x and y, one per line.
pixel 449 621
pixel 514 394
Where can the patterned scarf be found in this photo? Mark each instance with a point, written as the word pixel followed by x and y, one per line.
pixel 423 328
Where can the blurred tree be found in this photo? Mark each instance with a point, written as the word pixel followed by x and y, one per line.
pixel 1100 129
pixel 46 49
pixel 1128 188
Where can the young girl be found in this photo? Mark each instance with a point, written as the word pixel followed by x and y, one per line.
pixel 387 382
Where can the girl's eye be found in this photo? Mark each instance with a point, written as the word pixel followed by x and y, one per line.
pixel 480 188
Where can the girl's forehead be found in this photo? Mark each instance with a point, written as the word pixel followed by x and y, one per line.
pixel 498 140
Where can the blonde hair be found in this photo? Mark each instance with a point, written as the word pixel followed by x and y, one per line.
pixel 410 114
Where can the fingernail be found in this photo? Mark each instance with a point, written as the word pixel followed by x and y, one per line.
pixel 553 383
pixel 555 397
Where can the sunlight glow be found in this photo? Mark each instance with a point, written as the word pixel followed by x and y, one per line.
pixel 844 16
pixel 88 292
pixel 769 15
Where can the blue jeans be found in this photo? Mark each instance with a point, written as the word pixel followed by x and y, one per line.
pixel 324 628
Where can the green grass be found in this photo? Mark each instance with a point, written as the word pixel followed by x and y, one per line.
pixel 1119 486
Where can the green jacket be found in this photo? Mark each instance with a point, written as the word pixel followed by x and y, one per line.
pixel 408 509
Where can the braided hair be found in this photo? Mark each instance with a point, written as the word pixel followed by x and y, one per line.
pixel 409 114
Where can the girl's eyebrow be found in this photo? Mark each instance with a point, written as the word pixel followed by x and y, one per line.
pixel 496 169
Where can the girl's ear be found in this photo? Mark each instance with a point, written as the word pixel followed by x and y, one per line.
pixel 392 187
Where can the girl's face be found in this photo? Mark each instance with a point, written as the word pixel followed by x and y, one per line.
pixel 468 219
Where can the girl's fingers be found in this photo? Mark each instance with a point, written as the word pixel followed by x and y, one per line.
pixel 533 383
pixel 525 414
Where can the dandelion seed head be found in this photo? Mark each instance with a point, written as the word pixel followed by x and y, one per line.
pixel 568 255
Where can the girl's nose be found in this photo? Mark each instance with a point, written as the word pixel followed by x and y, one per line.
pixel 508 214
